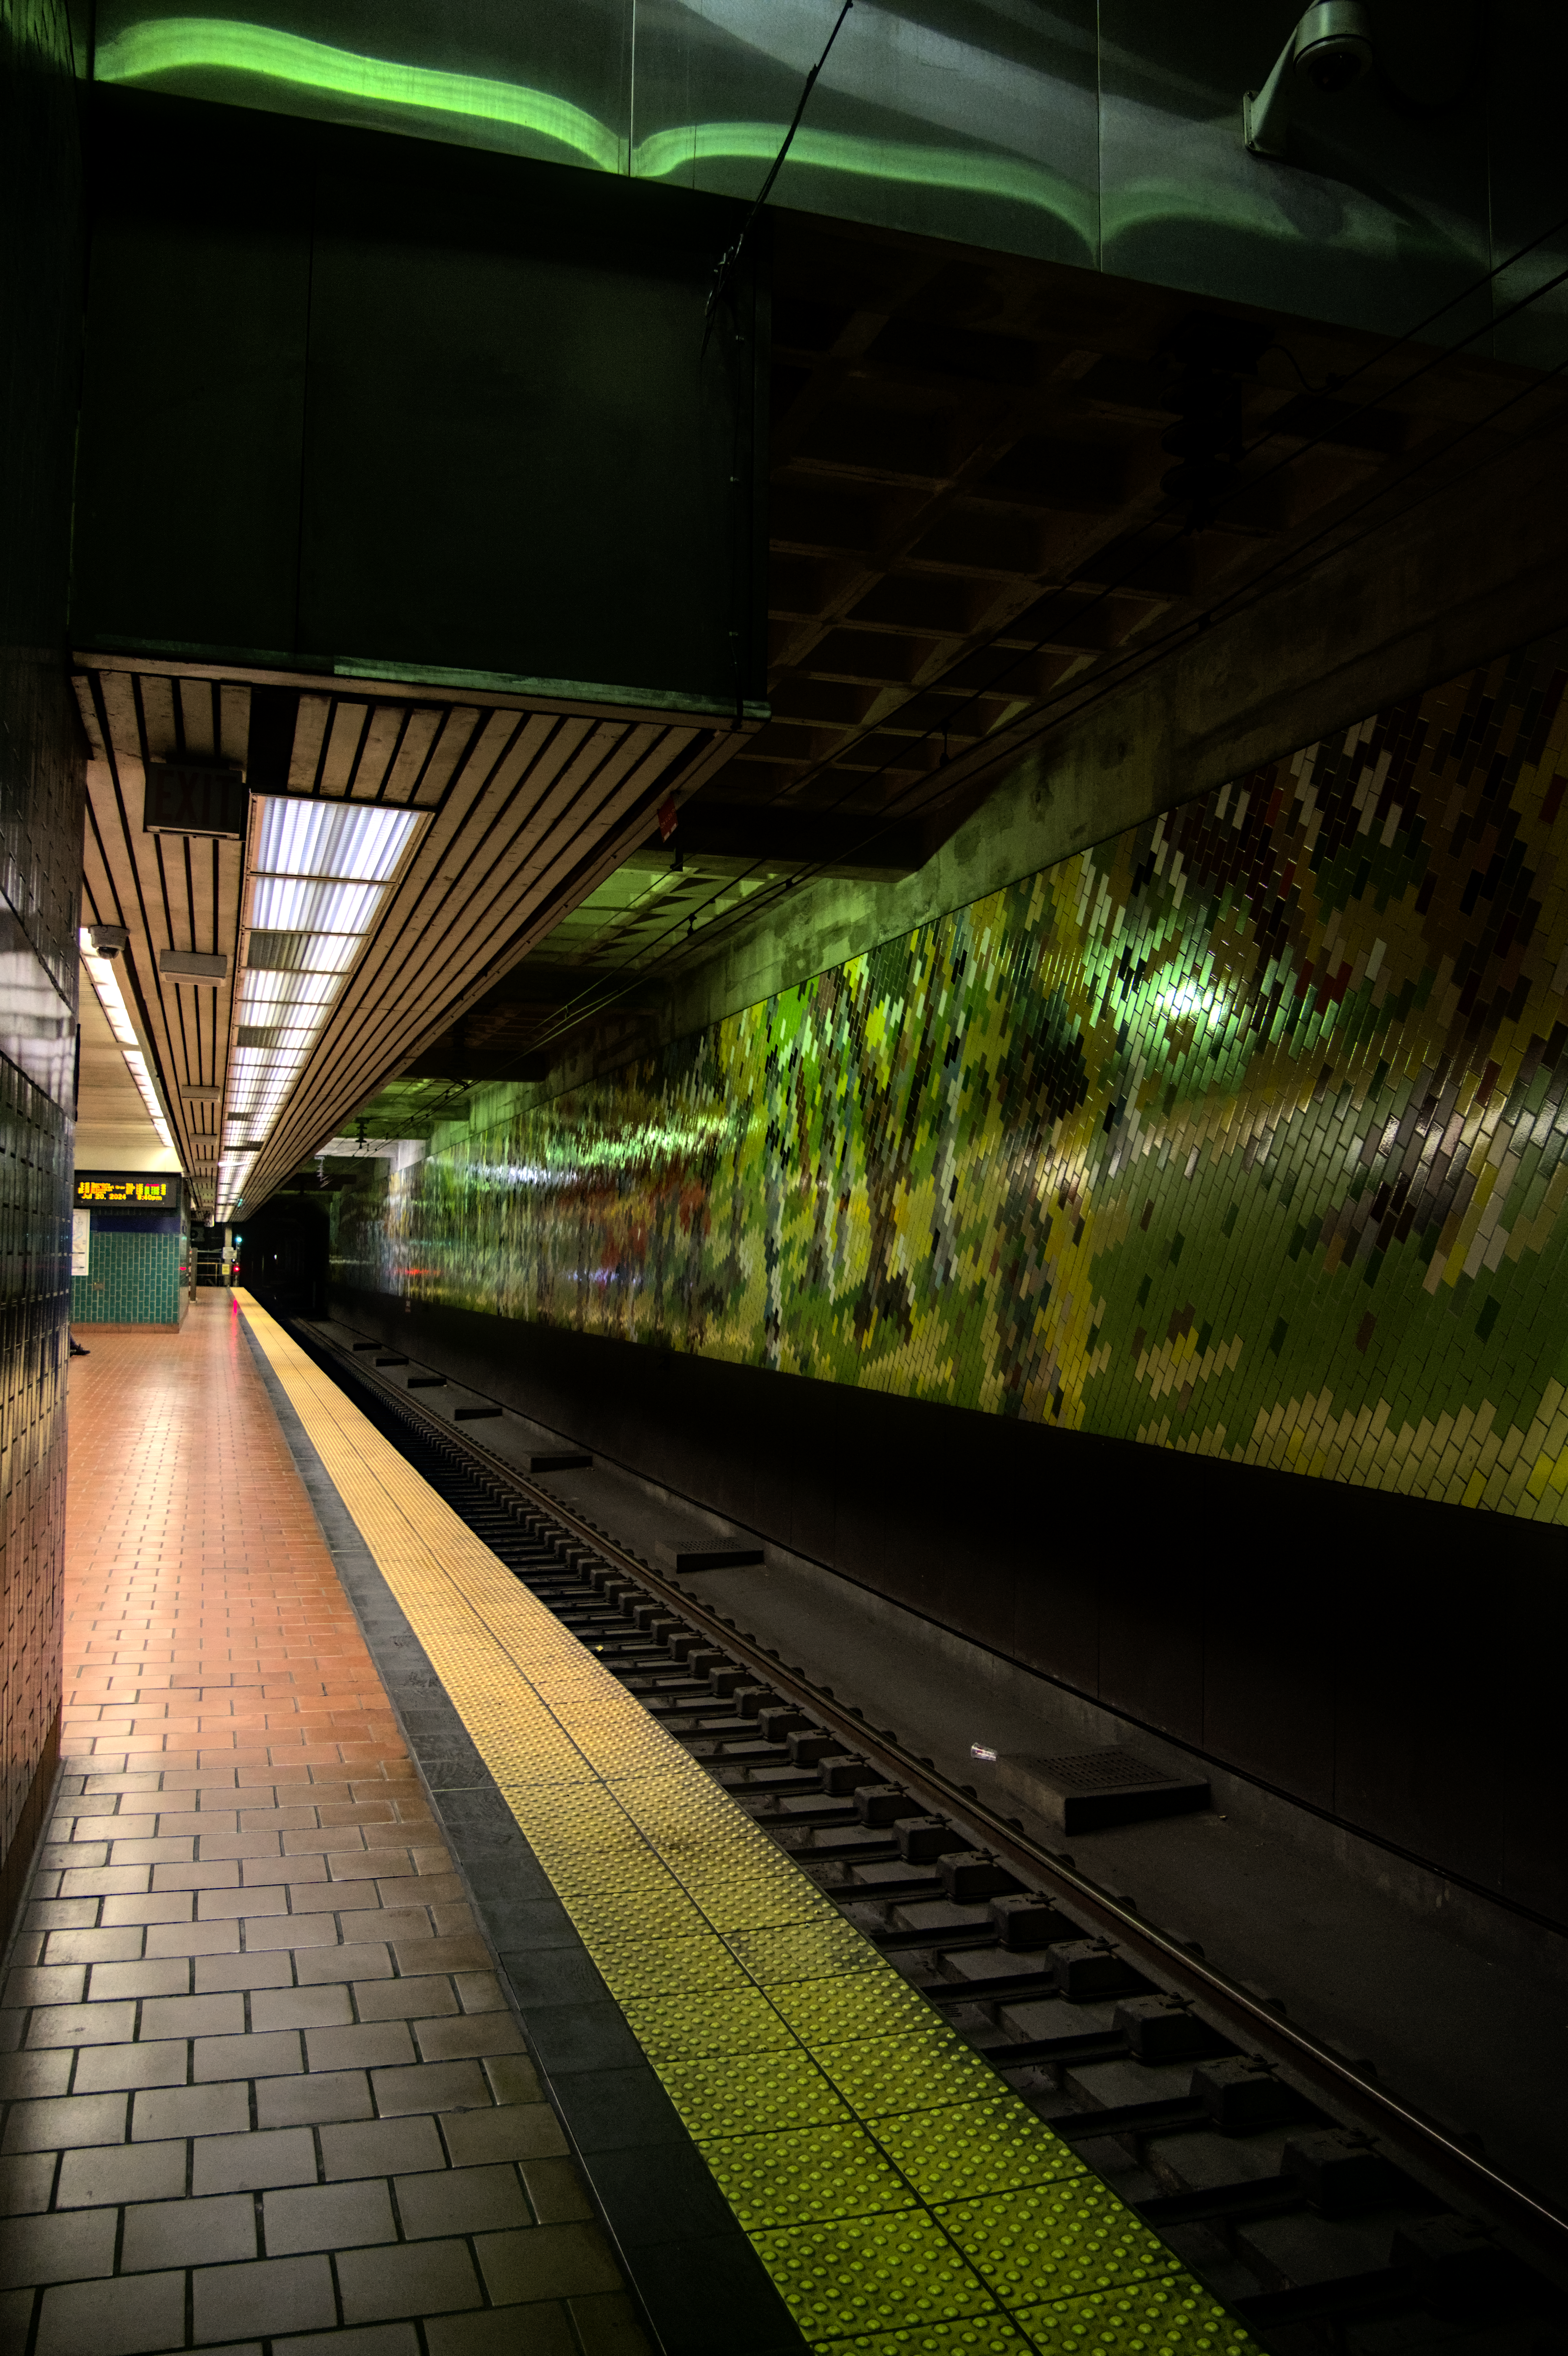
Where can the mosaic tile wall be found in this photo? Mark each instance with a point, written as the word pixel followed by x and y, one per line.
pixel 41 781
pixel 1243 1132
pixel 135 1277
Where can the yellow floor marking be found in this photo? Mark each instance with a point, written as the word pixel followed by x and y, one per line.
pixel 900 2198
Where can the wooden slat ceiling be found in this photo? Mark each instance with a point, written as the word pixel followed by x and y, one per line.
pixel 527 811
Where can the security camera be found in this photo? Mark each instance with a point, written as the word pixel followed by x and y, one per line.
pixel 107 940
pixel 1331 48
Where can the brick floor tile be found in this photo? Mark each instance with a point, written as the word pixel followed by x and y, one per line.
pixel 193 2016
pixel 328 2217
pixel 325 1897
pixel 471 2034
pixel 547 2262
pixel 102 2068
pixel 370 2339
pixel 193 1938
pixel 367 2045
pixel 410 2278
pixel 307 2101
pixel 120 2171
pixel 150 1852
pixel 104 1880
pixel 461 2200
pixel 250 2163
pixel 148 1976
pixel 606 2325
pixel 189 2232
pixel 111 1945
pixel 306 2007
pixel 228 1905
pixel 39 2070
pixel 461 1954
pixel 119 2319
pixel 82 2024
pixel 264 1872
pixel 149 1906
pixel 478 1992
pixel 269 2295
pixel 163 2111
pixel 543 2330
pixel 223 1875
pixel 354 1960
pixel 439 2086
pixel 380 2147
pixel 54 2122
pixel 26 2180
pixel 521 2131
pixel 265 1931
pixel 60 1914
pixel 273 2056
pixel 52 1983
pixel 556 2191
pixel 513 2078
pixel 416 1999
pixel 216 1973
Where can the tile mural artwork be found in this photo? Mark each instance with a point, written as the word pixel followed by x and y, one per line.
pixel 1243 1132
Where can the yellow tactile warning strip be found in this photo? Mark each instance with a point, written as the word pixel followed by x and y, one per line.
pixel 900 2198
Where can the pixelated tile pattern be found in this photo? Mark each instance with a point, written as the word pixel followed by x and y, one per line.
pixel 898 2195
pixel 1243 1132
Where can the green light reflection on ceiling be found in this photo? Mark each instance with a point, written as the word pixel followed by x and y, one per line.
pixel 187 45
pixel 212 43
pixel 183 44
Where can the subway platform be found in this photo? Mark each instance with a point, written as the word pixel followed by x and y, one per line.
pixel 392 1980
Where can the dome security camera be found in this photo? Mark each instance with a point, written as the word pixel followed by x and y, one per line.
pixel 1331 48
pixel 107 940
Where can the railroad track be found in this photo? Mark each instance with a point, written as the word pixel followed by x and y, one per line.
pixel 1322 2208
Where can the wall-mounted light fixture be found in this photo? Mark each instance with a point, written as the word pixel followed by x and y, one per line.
pixel 1331 49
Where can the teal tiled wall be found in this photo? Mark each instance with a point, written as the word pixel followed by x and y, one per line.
pixel 135 1279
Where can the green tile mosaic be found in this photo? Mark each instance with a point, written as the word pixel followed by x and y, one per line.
pixel 1242 1133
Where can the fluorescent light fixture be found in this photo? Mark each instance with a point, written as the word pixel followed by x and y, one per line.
pixel 117 1014
pixel 319 876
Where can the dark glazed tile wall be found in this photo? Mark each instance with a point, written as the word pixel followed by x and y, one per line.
pixel 41 782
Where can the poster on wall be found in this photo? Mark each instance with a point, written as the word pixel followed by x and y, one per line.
pixel 80 1243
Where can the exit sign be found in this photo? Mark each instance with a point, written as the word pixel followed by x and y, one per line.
pixel 183 797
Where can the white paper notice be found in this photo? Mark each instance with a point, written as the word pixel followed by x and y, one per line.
pixel 80 1242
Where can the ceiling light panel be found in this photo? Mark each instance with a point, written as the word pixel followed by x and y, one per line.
pixel 288 904
pixel 117 1014
pixel 319 874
